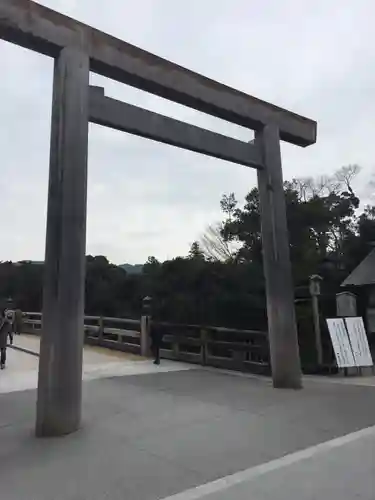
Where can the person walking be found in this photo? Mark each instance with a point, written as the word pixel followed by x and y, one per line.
pixel 10 316
pixel 156 341
pixel 154 331
pixel 5 330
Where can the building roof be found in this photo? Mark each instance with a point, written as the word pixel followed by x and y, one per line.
pixel 364 273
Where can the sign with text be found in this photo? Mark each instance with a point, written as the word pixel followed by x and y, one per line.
pixel 358 340
pixel 340 343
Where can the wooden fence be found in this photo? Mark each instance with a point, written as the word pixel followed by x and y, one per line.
pixel 242 350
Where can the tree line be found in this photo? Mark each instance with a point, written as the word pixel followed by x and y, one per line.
pixel 220 281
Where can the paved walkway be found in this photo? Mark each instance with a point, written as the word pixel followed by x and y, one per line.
pixel 341 469
pixel 22 368
pixel 177 433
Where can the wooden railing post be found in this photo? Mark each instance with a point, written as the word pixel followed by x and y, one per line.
pixel 176 347
pixel 145 335
pixel 239 357
pixel 314 288
pixel 101 330
pixel 203 346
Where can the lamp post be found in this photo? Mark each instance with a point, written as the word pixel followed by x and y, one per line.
pixel 146 306
pixel 145 325
pixel 314 288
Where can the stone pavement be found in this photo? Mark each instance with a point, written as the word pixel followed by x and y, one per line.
pixel 158 434
pixel 22 368
pixel 341 469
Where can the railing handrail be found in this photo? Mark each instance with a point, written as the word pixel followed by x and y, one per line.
pixel 90 318
pixel 219 329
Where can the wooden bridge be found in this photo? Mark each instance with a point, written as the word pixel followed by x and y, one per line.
pixel 241 350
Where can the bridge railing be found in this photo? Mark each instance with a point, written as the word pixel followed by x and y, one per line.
pixel 121 334
pixel 243 350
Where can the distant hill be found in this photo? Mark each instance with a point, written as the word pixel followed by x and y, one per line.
pixel 132 268
pixel 129 268
pixel 38 262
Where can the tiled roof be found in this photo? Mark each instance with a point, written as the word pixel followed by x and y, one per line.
pixel 364 273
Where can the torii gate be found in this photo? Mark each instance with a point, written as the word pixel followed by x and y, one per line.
pixel 78 49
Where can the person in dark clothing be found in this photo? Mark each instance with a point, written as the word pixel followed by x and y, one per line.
pixel 5 330
pixel 156 341
pixel 10 316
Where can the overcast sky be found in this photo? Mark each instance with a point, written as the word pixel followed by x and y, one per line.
pixel 314 58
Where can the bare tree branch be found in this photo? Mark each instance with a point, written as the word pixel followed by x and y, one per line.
pixel 324 185
pixel 215 247
pixel 346 174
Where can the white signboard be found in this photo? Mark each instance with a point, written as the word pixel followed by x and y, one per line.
pixel 340 343
pixel 359 342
